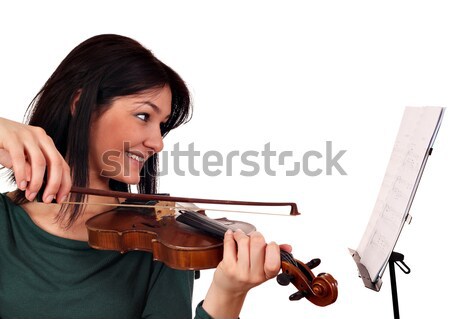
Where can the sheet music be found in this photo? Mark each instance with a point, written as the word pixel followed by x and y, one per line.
pixel 416 135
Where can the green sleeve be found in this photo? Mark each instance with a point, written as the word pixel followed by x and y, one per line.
pixel 169 293
pixel 200 313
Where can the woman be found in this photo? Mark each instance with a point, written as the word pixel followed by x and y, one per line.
pixel 99 122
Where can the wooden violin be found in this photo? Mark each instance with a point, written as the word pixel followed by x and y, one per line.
pixel 189 240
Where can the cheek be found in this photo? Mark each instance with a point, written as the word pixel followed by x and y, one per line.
pixel 103 143
pixel 109 133
pixel 113 133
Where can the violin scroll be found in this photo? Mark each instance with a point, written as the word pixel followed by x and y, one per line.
pixel 321 290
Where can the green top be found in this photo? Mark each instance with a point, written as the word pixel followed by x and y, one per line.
pixel 45 276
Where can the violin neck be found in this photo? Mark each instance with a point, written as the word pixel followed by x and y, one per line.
pixel 203 223
pixel 217 229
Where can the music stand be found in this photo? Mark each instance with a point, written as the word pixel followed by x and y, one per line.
pixel 412 147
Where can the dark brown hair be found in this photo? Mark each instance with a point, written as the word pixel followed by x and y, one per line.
pixel 100 69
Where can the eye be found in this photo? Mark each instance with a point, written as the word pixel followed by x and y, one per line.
pixel 143 116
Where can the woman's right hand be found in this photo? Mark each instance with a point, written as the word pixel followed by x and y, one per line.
pixel 29 151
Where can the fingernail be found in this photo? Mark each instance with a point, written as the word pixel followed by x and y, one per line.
pixel 63 199
pixel 229 232
pixel 49 198
pixel 32 196
pixel 23 185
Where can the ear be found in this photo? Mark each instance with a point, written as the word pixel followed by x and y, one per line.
pixel 74 103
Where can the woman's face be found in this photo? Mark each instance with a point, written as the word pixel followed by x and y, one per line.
pixel 124 136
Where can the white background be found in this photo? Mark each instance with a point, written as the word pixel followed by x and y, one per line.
pixel 295 74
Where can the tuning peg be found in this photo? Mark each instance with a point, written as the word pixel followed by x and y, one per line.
pixel 284 278
pixel 313 263
pixel 297 295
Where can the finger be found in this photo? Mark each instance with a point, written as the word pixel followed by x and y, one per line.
pixel 272 262
pixel 54 179
pixel 229 248
pixel 243 248
pixel 28 171
pixel 38 165
pixel 5 159
pixel 53 183
pixel 257 253
pixel 55 167
pixel 286 247
pixel 66 184
pixel 13 157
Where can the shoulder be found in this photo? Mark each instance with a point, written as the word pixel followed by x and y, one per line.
pixel 6 204
pixel 7 199
pixel 10 212
pixel 7 211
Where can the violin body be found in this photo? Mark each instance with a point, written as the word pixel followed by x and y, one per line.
pixel 177 245
pixel 193 241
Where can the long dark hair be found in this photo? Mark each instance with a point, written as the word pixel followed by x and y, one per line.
pixel 97 71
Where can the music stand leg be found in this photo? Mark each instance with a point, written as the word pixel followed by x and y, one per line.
pixel 395 258
pixel 394 289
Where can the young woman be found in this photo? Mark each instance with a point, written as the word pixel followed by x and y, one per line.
pixel 99 122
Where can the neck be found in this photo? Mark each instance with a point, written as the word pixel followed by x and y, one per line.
pixel 45 216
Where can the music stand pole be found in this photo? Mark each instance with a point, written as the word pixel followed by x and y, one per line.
pixel 396 258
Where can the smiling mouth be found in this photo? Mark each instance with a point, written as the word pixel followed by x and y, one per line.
pixel 135 157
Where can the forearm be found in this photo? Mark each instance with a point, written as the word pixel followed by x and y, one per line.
pixel 220 305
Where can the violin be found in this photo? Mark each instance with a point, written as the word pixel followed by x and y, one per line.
pixel 190 240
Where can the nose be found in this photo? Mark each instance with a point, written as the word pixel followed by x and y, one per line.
pixel 154 140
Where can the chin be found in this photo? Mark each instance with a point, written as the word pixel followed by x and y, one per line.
pixel 131 180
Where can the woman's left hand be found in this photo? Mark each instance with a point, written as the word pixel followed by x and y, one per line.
pixel 248 261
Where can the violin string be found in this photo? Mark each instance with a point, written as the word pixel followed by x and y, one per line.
pixel 178 208
pixel 204 223
pixel 286 256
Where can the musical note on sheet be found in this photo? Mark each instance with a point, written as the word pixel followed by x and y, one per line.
pixel 416 135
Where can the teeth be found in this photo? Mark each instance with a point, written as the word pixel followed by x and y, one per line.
pixel 135 157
